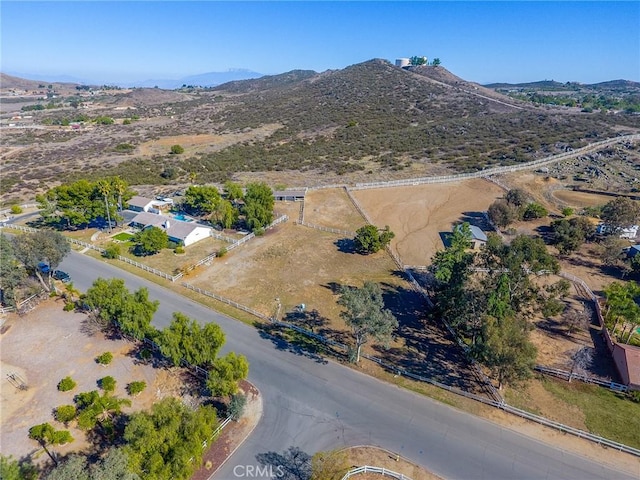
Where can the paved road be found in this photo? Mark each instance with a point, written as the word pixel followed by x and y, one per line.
pixel 317 406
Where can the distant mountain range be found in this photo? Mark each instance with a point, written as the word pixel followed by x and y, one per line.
pixel 209 79
pixel 551 85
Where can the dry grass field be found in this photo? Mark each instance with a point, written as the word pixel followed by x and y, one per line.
pixel 331 208
pixel 418 215
pixel 292 265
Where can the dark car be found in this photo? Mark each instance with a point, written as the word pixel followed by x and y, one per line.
pixel 43 267
pixel 62 276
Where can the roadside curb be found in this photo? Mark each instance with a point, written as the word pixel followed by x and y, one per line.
pixel 261 407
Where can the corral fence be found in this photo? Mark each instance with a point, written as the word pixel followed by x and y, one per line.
pixel 498 170
pixel 327 229
pixel 568 376
pixel 596 304
pixel 369 469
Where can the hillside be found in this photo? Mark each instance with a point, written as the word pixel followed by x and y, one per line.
pixel 8 82
pixel 366 122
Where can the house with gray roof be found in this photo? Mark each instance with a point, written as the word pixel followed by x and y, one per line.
pixel 186 233
pixel 478 237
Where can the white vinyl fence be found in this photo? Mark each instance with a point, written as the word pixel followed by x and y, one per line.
pixel 369 469
pixel 497 170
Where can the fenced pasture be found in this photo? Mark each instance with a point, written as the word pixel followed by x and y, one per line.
pixel 331 208
pixel 297 265
pixel 419 215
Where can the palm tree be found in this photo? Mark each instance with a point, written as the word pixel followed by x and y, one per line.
pixel 119 186
pixel 101 410
pixel 104 187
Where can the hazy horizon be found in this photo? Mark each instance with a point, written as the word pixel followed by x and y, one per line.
pixel 484 42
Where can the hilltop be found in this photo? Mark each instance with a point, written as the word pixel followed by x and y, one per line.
pixel 368 121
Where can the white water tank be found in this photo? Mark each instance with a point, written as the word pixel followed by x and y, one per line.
pixel 402 62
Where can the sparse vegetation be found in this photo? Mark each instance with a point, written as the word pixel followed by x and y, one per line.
pixel 176 149
pixel 66 384
pixel 135 388
pixel 105 359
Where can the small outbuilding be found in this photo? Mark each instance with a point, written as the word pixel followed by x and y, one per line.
pixel 290 195
pixel 629 233
pixel 140 204
pixel 478 237
pixel 627 360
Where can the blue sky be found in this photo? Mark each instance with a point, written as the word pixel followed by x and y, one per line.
pixel 478 41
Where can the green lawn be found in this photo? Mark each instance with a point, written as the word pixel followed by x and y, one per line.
pixel 123 237
pixel 608 414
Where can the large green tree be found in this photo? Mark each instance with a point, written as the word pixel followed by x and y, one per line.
pixel 489 305
pixel 225 374
pixel 185 339
pixel 150 241
pixel 569 235
pixel 166 442
pixel 506 350
pixel 233 191
pixel 32 249
pixel 365 315
pixel 224 214
pixel 370 239
pixel 258 205
pixel 112 466
pixel 201 199
pixel 622 308
pixel 79 203
pixel 12 469
pixel 113 303
pixel 619 213
pixel 12 273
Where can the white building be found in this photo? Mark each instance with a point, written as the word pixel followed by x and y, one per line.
pixel 186 233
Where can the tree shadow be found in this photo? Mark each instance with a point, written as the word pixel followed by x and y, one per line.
pixel 292 464
pixel 294 342
pixel 546 233
pixel 310 320
pixel 446 237
pixel 335 287
pixel 346 245
pixel 426 347
pixel 477 219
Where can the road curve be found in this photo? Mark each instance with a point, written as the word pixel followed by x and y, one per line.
pixel 317 405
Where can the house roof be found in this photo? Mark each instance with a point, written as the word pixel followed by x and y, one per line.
pixel 176 229
pixel 633 250
pixel 140 202
pixel 289 193
pixel 476 233
pixel 632 361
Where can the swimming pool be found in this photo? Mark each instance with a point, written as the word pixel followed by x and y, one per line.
pixel 182 218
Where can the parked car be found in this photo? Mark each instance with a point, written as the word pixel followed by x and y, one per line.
pixel 62 276
pixel 44 267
